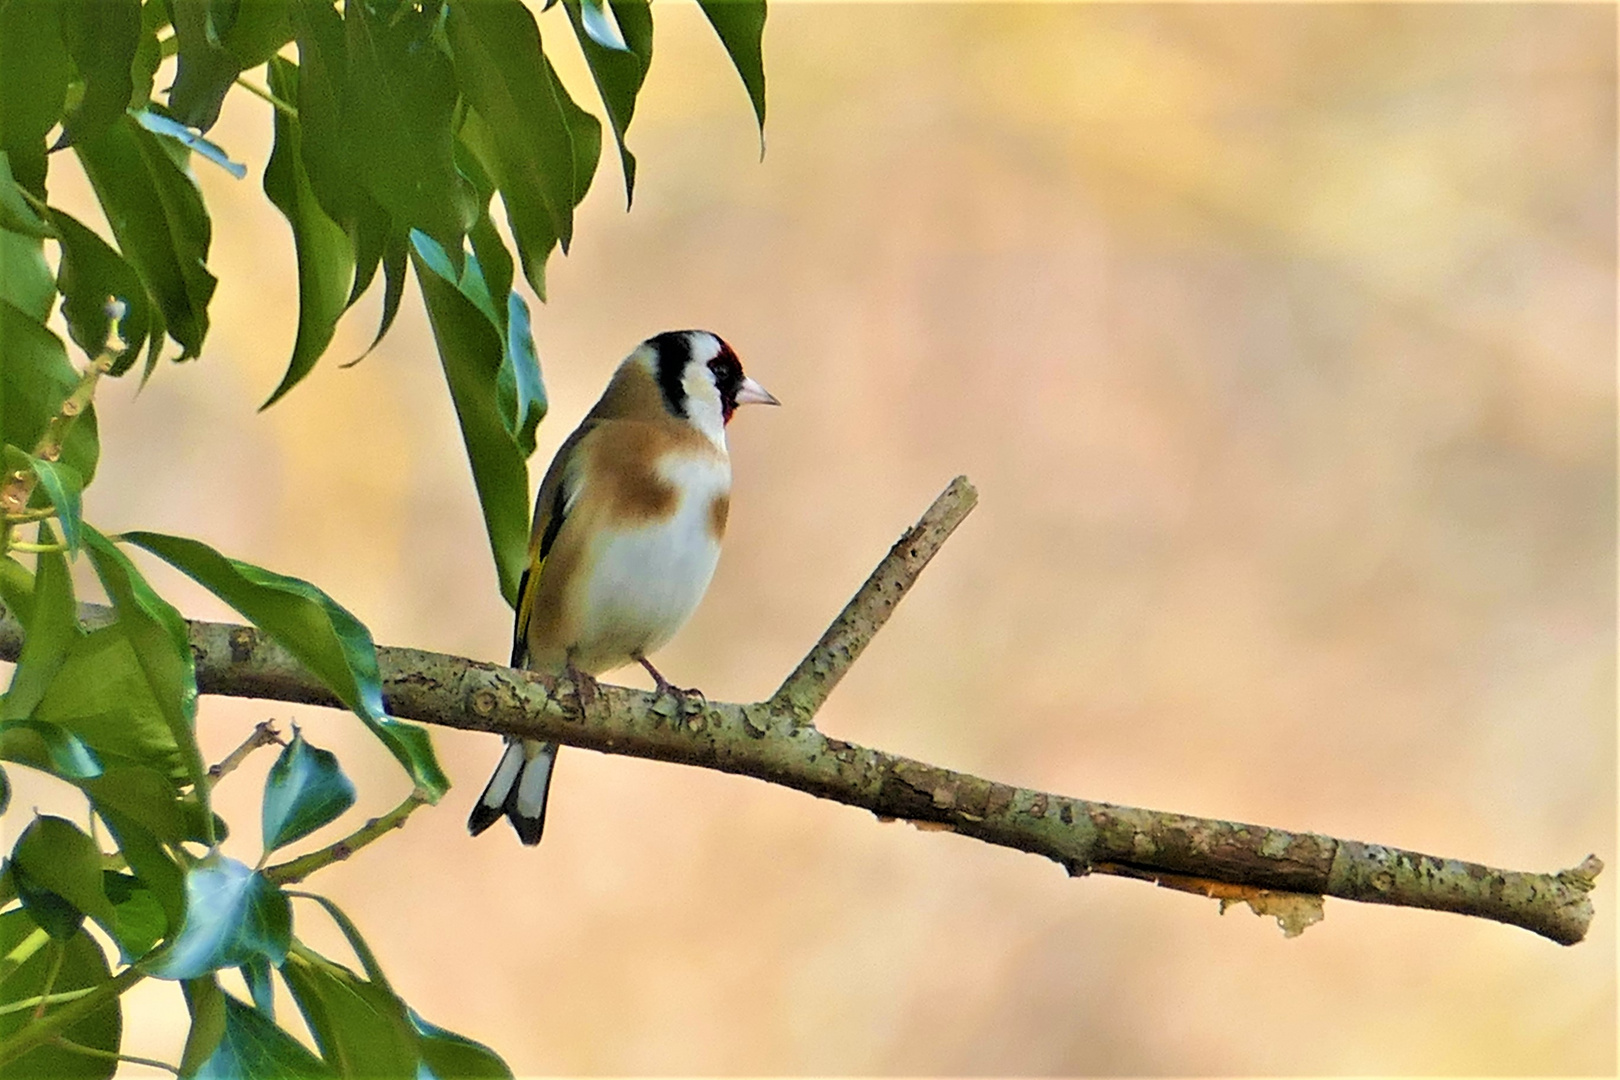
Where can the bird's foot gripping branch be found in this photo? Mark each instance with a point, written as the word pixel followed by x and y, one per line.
pixel 1275 871
pixel 178 908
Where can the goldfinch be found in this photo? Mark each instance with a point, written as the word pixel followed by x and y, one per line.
pixel 627 529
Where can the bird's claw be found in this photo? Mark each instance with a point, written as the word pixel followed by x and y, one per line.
pixel 664 686
pixel 584 686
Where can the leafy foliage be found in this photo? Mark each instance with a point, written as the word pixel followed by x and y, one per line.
pixel 396 125
pixel 306 789
pixel 56 967
pixel 233 916
pixel 58 873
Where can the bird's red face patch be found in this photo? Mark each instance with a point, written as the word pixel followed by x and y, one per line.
pixel 728 379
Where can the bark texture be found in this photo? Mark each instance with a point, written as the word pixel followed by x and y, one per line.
pixel 1276 872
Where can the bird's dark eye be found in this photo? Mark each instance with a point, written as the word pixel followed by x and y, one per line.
pixel 728 379
pixel 726 371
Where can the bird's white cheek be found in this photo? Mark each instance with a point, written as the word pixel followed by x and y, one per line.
pixel 703 410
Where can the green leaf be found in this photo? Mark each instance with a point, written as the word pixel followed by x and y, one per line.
pixel 619 75
pixel 64 487
pixel 601 27
pixel 519 389
pixel 148 54
pixel 91 272
pixel 5 791
pixel 254 1048
pixel 471 352
pixel 232 915
pixel 449 1056
pixel 324 636
pixel 57 916
pixel 206 67
pixel 53 855
pixel 34 381
pixel 102 37
pixel 158 635
pixel 206 1003
pixel 17 590
pixel 44 745
pixel 368 233
pixel 61 485
pixel 147 798
pixel 102 696
pixel 256 973
pixel 508 80
pixel 368 959
pixel 326 259
pixel 138 915
pixel 152 864
pixel 158 124
pixel 740 25
pixel 159 220
pixel 323 63
pixel 360 1027
pixel 262 27
pixel 305 790
pixel 34 74
pixel 25 279
pixel 15 212
pixel 54 630
pixel 494 260
pixel 399 102
pixel 357 1022
pixel 393 264
pixel 219 39
pixel 82 967
pixel 540 147
pixel 412 745
pixel 328 148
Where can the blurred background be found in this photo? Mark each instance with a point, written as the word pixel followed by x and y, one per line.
pixel 1280 343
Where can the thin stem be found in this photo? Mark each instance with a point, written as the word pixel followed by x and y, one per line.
pixel 295 870
pixel 111 1055
pixel 47 999
pixel 58 954
pixel 260 92
pixel 25 950
pixel 44 513
pixel 30 546
pixel 42 1031
pixel 18 487
pixel 264 733
pixel 41 207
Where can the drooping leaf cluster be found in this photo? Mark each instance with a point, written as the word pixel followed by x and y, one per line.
pixel 398 127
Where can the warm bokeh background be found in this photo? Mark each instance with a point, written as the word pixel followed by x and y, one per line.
pixel 1280 342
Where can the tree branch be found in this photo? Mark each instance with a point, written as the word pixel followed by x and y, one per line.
pixel 1277 872
pixel 803 692
pixel 264 734
pixel 296 870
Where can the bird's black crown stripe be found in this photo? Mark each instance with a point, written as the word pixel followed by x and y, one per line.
pixel 673 349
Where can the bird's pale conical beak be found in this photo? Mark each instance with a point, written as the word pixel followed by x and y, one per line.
pixel 751 393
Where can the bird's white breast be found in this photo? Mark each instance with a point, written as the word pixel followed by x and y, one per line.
pixel 645 581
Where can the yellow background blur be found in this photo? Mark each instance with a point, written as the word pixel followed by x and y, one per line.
pixel 1280 344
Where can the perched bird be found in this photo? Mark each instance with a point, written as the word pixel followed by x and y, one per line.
pixel 627 529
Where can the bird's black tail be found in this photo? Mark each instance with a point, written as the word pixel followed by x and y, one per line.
pixel 517 790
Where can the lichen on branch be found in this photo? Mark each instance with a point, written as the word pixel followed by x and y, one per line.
pixel 1274 871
